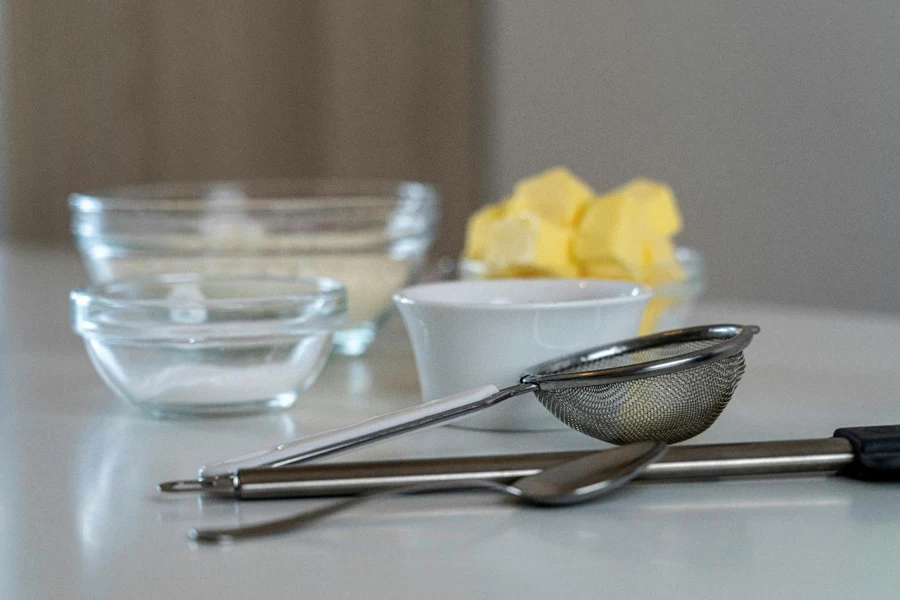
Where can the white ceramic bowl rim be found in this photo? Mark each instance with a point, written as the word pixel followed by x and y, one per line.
pixel 523 294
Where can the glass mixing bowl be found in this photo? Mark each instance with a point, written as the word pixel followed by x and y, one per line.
pixel 371 236
pixel 671 304
pixel 209 345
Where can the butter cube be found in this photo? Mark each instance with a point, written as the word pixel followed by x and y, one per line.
pixel 525 272
pixel 656 309
pixel 611 230
pixel 477 230
pixel 657 202
pixel 611 269
pixel 554 226
pixel 659 264
pixel 556 195
pixel 658 249
pixel 524 243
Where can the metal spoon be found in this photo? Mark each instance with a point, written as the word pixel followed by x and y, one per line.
pixel 571 482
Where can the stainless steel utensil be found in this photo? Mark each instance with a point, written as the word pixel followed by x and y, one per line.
pixel 664 387
pixel 861 453
pixel 572 482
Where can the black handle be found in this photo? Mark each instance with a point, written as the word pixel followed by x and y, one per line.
pixel 877 451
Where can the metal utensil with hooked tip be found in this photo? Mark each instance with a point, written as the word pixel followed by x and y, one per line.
pixel 867 453
pixel 668 386
pixel 572 482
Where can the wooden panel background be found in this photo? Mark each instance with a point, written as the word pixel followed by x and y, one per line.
pixel 106 92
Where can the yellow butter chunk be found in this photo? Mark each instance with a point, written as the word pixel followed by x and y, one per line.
pixel 554 225
pixel 478 228
pixel 657 202
pixel 556 195
pixel 523 272
pixel 611 230
pixel 656 310
pixel 523 243
pixel 611 269
pixel 659 263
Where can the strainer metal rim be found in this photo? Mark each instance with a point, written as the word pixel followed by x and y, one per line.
pixel 734 339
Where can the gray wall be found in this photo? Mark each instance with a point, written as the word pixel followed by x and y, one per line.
pixel 4 141
pixel 777 123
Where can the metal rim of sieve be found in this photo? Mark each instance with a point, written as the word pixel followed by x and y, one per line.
pixel 734 338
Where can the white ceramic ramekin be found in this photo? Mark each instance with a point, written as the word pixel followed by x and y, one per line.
pixel 471 333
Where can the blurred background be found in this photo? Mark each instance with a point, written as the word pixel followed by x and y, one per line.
pixel 777 124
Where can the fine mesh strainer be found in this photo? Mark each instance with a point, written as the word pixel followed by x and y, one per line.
pixel 665 387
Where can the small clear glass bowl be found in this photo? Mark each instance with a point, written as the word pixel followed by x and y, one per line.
pixel 371 236
pixel 671 304
pixel 178 345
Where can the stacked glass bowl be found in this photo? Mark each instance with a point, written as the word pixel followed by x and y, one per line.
pixel 372 237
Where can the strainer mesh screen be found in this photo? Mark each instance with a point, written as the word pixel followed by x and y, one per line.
pixel 668 408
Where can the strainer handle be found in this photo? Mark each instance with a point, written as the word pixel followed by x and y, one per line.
pixel 436 412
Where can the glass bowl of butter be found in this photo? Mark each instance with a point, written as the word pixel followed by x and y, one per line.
pixel 192 345
pixel 371 236
pixel 554 225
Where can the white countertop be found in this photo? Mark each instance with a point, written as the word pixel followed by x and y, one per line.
pixel 80 518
